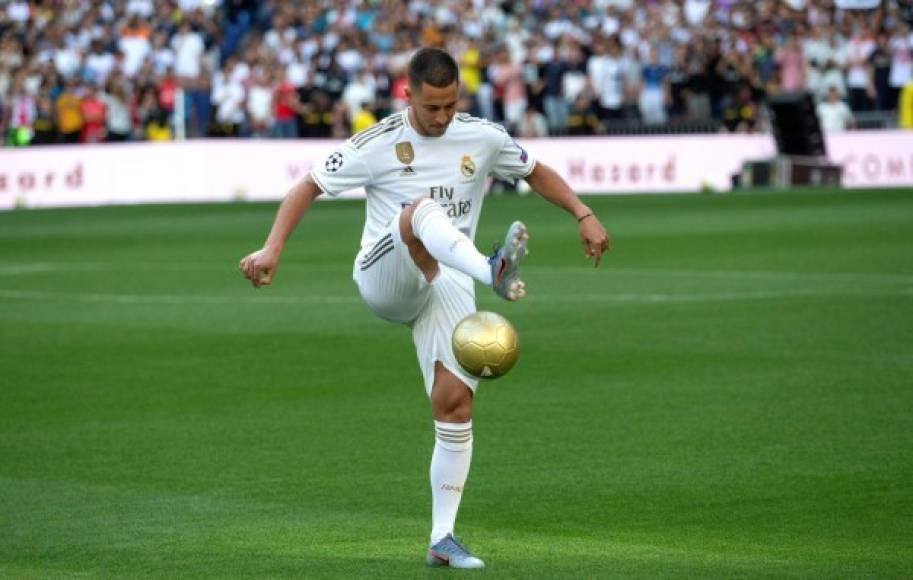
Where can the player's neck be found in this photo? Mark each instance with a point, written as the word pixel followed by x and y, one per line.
pixel 413 122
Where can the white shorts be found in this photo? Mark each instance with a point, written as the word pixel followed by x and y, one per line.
pixel 395 289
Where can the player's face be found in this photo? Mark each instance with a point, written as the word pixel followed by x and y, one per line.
pixel 433 107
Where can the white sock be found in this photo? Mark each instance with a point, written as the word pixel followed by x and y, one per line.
pixel 446 243
pixel 449 468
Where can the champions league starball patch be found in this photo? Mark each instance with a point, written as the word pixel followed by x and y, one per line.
pixel 334 162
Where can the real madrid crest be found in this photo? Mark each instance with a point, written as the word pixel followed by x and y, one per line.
pixel 405 153
pixel 467 166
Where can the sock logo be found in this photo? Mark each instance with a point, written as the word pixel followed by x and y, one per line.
pixel 448 487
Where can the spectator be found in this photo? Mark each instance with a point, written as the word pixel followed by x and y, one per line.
pixel 22 113
pixel 167 88
pixel 68 114
pixel 163 58
pixel 98 64
pixel 858 74
pixel 833 114
pixel 363 118
pixel 94 114
pixel 741 111
pixel 188 49
pixel 198 104
pixel 470 70
pixel 362 89
pixel 533 125
pixel 158 129
pixel 543 55
pixel 791 60
pixel 901 45
pixel 45 133
pixel 605 72
pixel 678 89
pixel 260 104
pixel 880 72
pixel 552 69
pixel 135 46
pixel 582 119
pixel 654 92
pixel 507 78
pixel 147 110
pixel 119 123
pixel 317 117
pixel 285 108
pixel 697 97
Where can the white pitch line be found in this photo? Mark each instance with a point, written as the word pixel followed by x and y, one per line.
pixel 741 274
pixel 228 267
pixel 173 299
pixel 608 270
pixel 651 298
pixel 655 298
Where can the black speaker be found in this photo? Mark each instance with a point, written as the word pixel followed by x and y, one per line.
pixel 795 125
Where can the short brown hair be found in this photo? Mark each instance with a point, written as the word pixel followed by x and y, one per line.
pixel 433 66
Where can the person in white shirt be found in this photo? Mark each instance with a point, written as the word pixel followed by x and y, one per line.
pixel 162 55
pixel 858 75
pixel 188 49
pixel 606 73
pixel 135 49
pixel 424 171
pixel 229 97
pixel 260 104
pixel 99 63
pixel 833 114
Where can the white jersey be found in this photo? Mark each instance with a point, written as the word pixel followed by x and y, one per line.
pixel 396 165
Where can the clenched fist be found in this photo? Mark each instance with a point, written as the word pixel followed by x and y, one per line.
pixel 259 266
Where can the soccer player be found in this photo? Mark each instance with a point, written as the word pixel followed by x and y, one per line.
pixel 424 171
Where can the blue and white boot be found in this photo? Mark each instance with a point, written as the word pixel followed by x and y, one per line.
pixel 449 552
pixel 505 263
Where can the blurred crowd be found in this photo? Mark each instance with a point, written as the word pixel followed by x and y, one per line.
pixel 73 71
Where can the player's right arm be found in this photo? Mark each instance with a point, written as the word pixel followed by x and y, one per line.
pixel 344 169
pixel 259 266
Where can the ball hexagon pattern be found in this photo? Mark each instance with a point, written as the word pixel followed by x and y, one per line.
pixel 486 345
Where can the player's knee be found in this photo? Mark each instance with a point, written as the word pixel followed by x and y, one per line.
pixel 458 414
pixel 407 222
pixel 451 400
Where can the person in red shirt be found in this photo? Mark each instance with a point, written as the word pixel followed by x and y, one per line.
pixel 167 87
pixel 285 109
pixel 94 114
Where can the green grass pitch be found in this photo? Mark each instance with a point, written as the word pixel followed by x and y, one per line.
pixel 729 395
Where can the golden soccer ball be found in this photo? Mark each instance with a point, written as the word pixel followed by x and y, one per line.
pixel 486 345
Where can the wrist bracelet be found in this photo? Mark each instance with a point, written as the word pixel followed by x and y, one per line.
pixel 583 217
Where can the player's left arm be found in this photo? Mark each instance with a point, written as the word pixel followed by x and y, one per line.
pixel 546 182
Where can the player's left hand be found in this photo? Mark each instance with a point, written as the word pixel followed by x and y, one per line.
pixel 594 238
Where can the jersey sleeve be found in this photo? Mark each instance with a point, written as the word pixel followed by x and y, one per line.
pixel 342 170
pixel 512 162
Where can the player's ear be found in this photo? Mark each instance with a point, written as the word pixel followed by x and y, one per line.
pixel 408 92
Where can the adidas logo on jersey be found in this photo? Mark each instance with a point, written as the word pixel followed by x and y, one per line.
pixel 407 172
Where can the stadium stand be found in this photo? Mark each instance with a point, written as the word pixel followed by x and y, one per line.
pixel 122 70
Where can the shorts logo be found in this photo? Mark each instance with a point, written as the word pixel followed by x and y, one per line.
pixel 467 166
pixel 334 162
